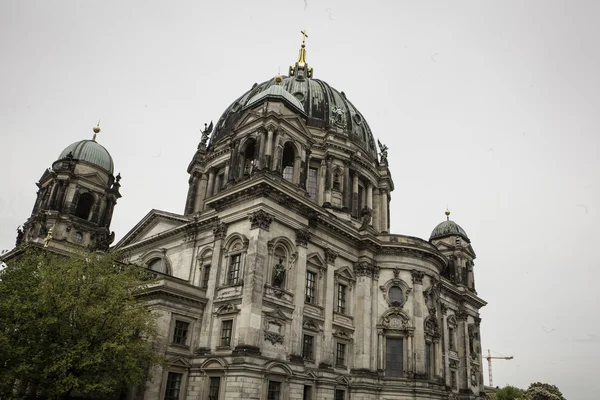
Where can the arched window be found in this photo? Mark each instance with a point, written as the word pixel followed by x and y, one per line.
pixel 84 205
pixel 249 157
pixel 287 162
pixel 158 265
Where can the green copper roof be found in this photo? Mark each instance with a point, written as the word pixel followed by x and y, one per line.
pixel 91 152
pixel 275 92
pixel 448 228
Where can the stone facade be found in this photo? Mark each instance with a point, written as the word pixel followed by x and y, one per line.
pixel 281 281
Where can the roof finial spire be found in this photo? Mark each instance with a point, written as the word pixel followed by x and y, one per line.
pixel 301 64
pixel 447 213
pixel 96 130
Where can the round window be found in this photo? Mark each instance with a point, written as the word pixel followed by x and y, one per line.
pixel 395 295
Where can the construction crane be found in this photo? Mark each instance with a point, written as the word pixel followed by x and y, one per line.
pixel 489 360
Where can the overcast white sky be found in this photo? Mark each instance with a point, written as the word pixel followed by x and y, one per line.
pixel 491 107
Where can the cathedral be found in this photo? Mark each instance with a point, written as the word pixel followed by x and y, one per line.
pixel 281 279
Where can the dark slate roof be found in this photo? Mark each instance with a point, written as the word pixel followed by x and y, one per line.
pixel 448 228
pixel 91 152
pixel 323 106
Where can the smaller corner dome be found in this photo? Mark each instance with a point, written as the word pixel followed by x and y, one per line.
pixel 448 228
pixel 276 92
pixel 90 151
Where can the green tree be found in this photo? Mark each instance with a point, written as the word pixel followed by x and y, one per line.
pixel 73 325
pixel 543 391
pixel 508 393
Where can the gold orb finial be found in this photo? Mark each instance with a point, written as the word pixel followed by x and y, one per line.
pixel 278 79
pixel 447 213
pixel 96 130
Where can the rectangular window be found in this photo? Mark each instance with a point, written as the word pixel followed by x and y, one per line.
pixel 311 186
pixel 340 355
pixel 311 278
pixel 428 359
pixel 233 277
pixel 288 173
pixel 180 333
pixel 451 344
pixel 341 299
pixel 340 394
pixel 307 394
pixel 393 357
pixel 307 347
pixel 274 392
pixel 214 387
pixel 205 276
pixel 453 379
pixel 173 386
pixel 226 328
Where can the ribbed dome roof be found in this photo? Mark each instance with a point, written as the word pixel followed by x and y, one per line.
pixel 91 152
pixel 448 228
pixel 323 107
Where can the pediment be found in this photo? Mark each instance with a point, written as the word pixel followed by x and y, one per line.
pixel 154 224
pixel 277 314
pixel 93 178
pixel 345 272
pixel 316 259
pixel 179 362
pixel 248 118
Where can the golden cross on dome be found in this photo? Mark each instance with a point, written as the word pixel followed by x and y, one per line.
pixel 304 36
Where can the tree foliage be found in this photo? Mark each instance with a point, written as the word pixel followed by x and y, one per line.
pixel 543 391
pixel 508 393
pixel 73 324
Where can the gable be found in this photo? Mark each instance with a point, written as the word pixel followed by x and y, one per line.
pixel 153 224
pixel 93 178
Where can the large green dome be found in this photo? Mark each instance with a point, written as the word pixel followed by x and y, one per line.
pixel 448 228
pixel 89 151
pixel 318 102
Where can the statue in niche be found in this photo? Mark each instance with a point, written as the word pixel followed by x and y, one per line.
pixel 336 181
pixel 279 274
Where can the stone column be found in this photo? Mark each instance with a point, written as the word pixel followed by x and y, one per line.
pixel 268 149
pixel 374 316
pixel 277 152
pixel 204 343
pixel 61 194
pixel 321 183
pixel 362 315
pixel 327 355
pixel 53 194
pixel 258 152
pixel 328 183
pixel 381 349
pixel 302 237
pixel 202 186
pixel 233 159
pixel 347 206
pixel 95 209
pixel 370 195
pixel 411 353
pixel 304 169
pixel 192 191
pixel 355 210
pixel 419 314
pixel 296 177
pixel 376 211
pixel 463 373
pixel 211 183
pixel 384 210
pixel 250 319
pixel 227 166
